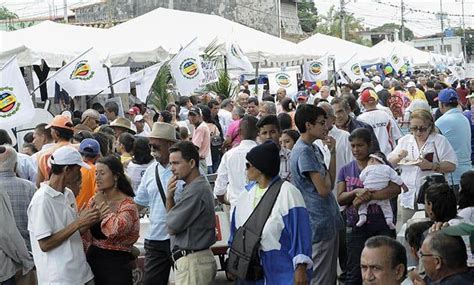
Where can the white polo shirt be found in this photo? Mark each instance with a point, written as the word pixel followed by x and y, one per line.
pixel 49 212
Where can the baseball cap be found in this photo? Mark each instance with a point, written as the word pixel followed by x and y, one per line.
pixel 134 111
pixel 447 95
pixel 67 155
pixel 411 84
pixel 138 118
pixel 61 121
pixel 368 95
pixel 195 111
pixel 301 95
pixel 89 147
pixel 376 79
pixel 103 119
pixel 365 85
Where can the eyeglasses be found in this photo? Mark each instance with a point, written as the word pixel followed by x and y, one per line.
pixel 322 123
pixel 421 254
pixel 247 165
pixel 420 129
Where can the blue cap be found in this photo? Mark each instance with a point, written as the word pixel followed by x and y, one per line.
pixel 89 147
pixel 448 95
pixel 103 119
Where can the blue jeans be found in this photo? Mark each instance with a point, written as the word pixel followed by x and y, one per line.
pixel 10 281
pixel 356 238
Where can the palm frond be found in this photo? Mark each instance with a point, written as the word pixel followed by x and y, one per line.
pixel 161 95
pixel 211 52
pixel 224 86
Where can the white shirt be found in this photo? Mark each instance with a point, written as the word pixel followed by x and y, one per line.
pixel 318 95
pixel 383 126
pixel 343 152
pixel 377 176
pixel 465 215
pixel 411 174
pixel 225 118
pixel 135 173
pixel 26 167
pixel 49 212
pixel 231 178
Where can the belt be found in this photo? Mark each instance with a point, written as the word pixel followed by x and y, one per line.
pixel 180 253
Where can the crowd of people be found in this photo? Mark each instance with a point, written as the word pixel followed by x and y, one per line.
pixel 355 164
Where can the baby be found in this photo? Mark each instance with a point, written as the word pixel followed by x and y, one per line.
pixel 376 176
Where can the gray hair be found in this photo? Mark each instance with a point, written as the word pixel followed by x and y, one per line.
pixel 226 102
pixel 8 158
pixel 90 113
pixel 328 108
pixel 239 111
pixel 270 107
pixel 386 84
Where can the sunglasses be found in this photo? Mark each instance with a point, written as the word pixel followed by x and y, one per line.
pixel 247 165
pixel 420 129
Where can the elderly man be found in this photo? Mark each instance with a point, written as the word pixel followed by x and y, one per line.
pixel 444 258
pixel 25 167
pixel 54 224
pixel 414 93
pixel 151 194
pixel 90 119
pixel 19 190
pixel 325 94
pixel 281 94
pixel 225 114
pixel 242 99
pixel 383 261
pixel 267 108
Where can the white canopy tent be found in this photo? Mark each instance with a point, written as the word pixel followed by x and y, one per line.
pixel 50 41
pixel 343 50
pixel 161 32
pixel 384 49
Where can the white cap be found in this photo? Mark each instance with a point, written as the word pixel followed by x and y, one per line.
pixel 365 85
pixel 376 79
pixel 67 114
pixel 138 118
pixel 67 155
pixel 411 84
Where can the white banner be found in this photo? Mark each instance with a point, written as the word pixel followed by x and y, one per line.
pixel 237 59
pixel 84 76
pixel 119 73
pixel 457 72
pixel 352 69
pixel 186 69
pixel 144 80
pixel 210 72
pixel 316 70
pixel 16 107
pixel 283 79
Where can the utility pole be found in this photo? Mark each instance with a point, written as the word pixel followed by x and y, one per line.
pixel 442 25
pixel 65 11
pixel 403 22
pixel 464 33
pixel 343 24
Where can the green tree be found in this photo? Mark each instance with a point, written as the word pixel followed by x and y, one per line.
pixel 6 14
pixel 389 27
pixel 308 16
pixel 331 25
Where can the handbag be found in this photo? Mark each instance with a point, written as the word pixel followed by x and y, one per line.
pixel 244 260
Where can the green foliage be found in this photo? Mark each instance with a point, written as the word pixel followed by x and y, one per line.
pixel 331 25
pixel 211 52
pixel 6 14
pixel 223 86
pixel 308 16
pixel 161 95
pixel 389 27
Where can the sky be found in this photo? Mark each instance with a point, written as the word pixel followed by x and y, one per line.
pixel 373 12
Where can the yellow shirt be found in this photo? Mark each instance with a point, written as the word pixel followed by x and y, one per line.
pixel 419 95
pixel 258 195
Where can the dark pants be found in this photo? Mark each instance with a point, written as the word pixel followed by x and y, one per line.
pixel 110 266
pixel 356 238
pixel 10 281
pixel 343 250
pixel 157 262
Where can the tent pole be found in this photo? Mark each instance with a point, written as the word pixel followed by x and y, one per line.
pixel 256 76
pixel 225 64
pixel 334 69
pixel 109 74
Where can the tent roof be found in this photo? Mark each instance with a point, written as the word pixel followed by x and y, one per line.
pixel 164 31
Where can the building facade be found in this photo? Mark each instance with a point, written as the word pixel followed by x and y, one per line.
pixel 452 45
pixel 261 15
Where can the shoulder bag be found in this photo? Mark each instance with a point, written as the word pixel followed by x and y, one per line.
pixel 244 260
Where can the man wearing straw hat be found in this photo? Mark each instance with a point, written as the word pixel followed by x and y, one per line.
pixel 149 194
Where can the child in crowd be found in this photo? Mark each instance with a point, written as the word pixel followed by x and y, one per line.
pixel 376 176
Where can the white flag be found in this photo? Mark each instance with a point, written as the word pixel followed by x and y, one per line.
pixel 210 72
pixel 316 70
pixel 144 80
pixel 186 69
pixel 283 79
pixel 84 76
pixel 16 107
pixel 237 59
pixel 396 62
pixel 457 72
pixel 352 69
pixel 121 75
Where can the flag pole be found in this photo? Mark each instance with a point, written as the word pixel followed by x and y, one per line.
pixel 181 50
pixel 335 73
pixel 8 62
pixel 59 70
pixel 110 86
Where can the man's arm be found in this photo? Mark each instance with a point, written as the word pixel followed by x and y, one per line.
pixel 85 220
pixel 320 184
